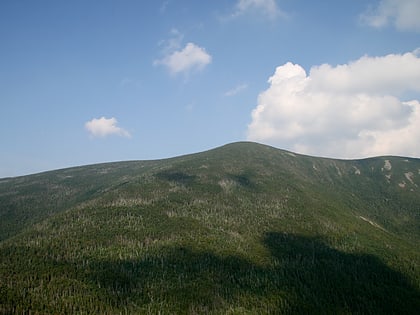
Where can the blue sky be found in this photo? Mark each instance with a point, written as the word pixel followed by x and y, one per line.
pixel 94 81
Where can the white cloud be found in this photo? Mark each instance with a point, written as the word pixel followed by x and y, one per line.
pixel 190 57
pixel 404 14
pixel 236 90
pixel 267 7
pixel 347 111
pixel 102 127
pixel 393 74
pixel 177 60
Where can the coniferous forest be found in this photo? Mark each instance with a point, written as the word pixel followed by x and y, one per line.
pixel 241 229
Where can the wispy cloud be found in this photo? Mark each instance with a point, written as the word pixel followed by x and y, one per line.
pixel 236 90
pixel 172 43
pixel 164 6
pixel 102 127
pixel 403 14
pixel 269 8
pixel 128 82
pixel 351 110
pixel 178 60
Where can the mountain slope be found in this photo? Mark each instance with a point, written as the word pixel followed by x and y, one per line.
pixel 241 228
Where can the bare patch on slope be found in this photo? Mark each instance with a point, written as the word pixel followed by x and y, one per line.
pixel 227 184
pixel 372 223
pixel 387 166
pixel 356 171
pixel 410 177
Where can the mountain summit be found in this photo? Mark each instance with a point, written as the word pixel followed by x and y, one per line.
pixel 240 229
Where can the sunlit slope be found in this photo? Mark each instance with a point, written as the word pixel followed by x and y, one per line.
pixel 241 228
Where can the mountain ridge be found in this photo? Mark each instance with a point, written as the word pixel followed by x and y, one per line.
pixel 243 206
pixel 250 155
pixel 237 143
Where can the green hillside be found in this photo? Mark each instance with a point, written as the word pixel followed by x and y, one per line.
pixel 241 229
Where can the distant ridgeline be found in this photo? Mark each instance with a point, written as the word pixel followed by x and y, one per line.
pixel 241 229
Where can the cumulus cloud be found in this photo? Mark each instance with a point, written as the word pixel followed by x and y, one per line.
pixel 403 14
pixel 267 7
pixel 348 111
pixel 177 59
pixel 102 127
pixel 188 58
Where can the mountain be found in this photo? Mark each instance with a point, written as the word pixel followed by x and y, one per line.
pixel 240 229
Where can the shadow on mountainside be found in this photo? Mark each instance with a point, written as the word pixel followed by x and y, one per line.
pixel 306 277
